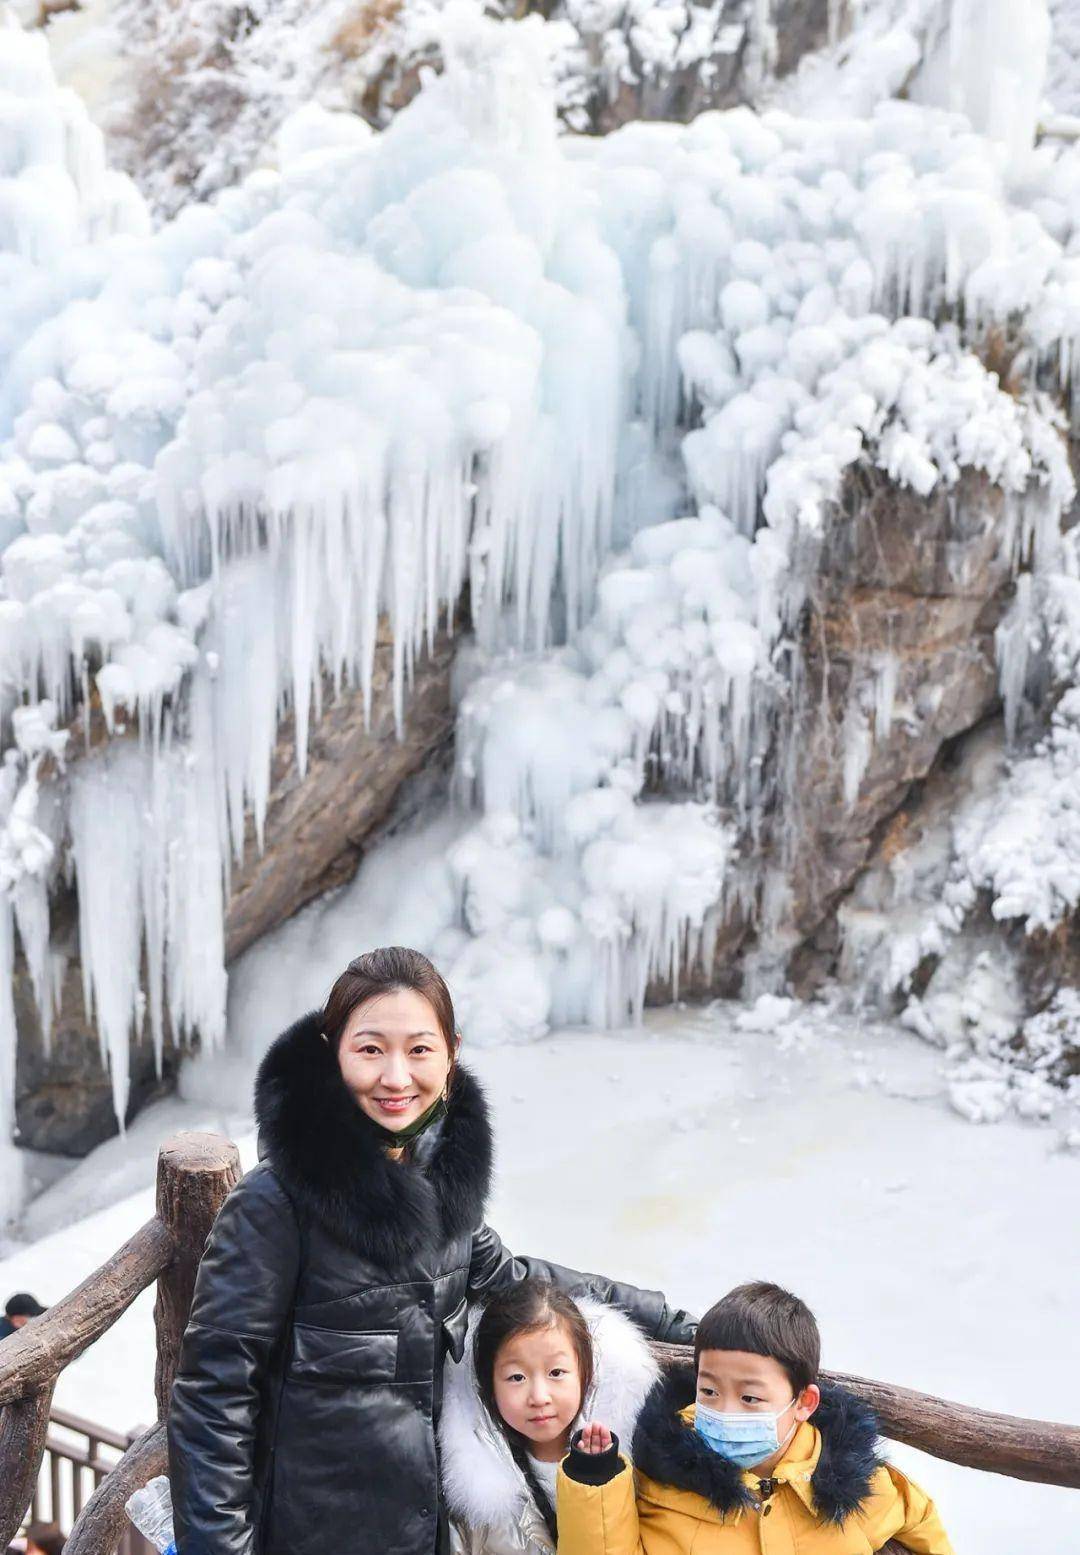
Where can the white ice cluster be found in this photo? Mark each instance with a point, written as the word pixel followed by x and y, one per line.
pixel 1011 840
pixel 540 938
pixel 560 747
pixel 1022 843
pixel 466 351
pixel 1035 1074
pixel 56 189
pixel 1000 843
pixel 656 49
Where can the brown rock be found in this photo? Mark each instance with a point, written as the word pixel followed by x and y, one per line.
pixel 316 825
pixel 909 587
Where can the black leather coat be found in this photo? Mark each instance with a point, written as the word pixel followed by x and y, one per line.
pixel 333 1285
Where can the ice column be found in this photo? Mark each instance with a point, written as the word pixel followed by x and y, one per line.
pixel 997 67
pixel 148 859
pixel 10 1159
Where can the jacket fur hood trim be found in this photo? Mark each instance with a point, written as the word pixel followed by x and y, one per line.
pixel 670 1453
pixel 331 1160
pixel 483 1486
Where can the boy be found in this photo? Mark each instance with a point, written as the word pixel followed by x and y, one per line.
pixel 744 1452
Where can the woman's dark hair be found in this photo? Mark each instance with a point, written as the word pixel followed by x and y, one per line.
pixel 384 971
pixel 764 1319
pixel 525 1308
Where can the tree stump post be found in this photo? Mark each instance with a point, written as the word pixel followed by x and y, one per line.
pixel 102 1523
pixel 195 1175
pixel 24 1426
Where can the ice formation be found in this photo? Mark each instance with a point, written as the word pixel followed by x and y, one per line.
pixel 997 70
pixel 1004 847
pixel 467 351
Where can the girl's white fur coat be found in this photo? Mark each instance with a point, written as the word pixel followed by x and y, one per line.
pixel 488 1501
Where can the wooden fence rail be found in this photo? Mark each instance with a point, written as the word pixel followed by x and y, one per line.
pixel 195 1173
pixel 78 1456
pixel 975 1438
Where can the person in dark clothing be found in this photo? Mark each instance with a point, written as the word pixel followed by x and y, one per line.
pixel 18 1309
pixel 336 1280
pixel 44 1539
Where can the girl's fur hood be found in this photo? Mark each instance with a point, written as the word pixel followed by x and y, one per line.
pixel 672 1453
pixel 331 1158
pixel 482 1484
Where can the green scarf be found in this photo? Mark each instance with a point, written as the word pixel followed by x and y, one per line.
pixel 394 1138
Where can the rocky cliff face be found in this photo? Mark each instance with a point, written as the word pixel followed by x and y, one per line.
pixel 897 666
pixel 898 659
pixel 610 69
pixel 896 662
pixel 190 98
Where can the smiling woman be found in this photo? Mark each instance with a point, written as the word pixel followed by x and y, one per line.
pixel 396 1046
pixel 336 1281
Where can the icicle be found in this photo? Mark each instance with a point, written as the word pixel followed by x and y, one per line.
pixel 30 900
pixel 997 70
pixel 108 817
pixel 149 866
pixel 886 669
pixel 762 45
pixel 243 671
pixel 195 868
pixel 330 398
pixel 858 746
pixel 1013 641
pixel 11 1159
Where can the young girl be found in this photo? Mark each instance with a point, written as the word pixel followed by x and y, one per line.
pixel 535 1364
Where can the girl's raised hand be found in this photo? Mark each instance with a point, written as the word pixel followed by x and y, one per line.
pixel 594 1438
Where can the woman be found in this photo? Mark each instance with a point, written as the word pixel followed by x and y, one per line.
pixel 335 1282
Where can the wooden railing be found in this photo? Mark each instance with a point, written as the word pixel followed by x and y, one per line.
pixel 975 1438
pixel 195 1173
pixel 78 1456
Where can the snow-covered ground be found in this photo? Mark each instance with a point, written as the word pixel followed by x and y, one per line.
pixel 694 1154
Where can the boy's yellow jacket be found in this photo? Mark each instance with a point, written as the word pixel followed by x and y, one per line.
pixel 830 1495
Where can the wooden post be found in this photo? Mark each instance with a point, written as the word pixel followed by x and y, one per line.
pixel 102 1523
pixel 23 1428
pixel 195 1174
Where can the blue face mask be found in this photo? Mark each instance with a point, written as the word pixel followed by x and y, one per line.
pixel 743 1437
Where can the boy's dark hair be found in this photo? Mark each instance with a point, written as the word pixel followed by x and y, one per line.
pixel 764 1319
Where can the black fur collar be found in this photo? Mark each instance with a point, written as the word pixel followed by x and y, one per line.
pixel 330 1159
pixel 668 1452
